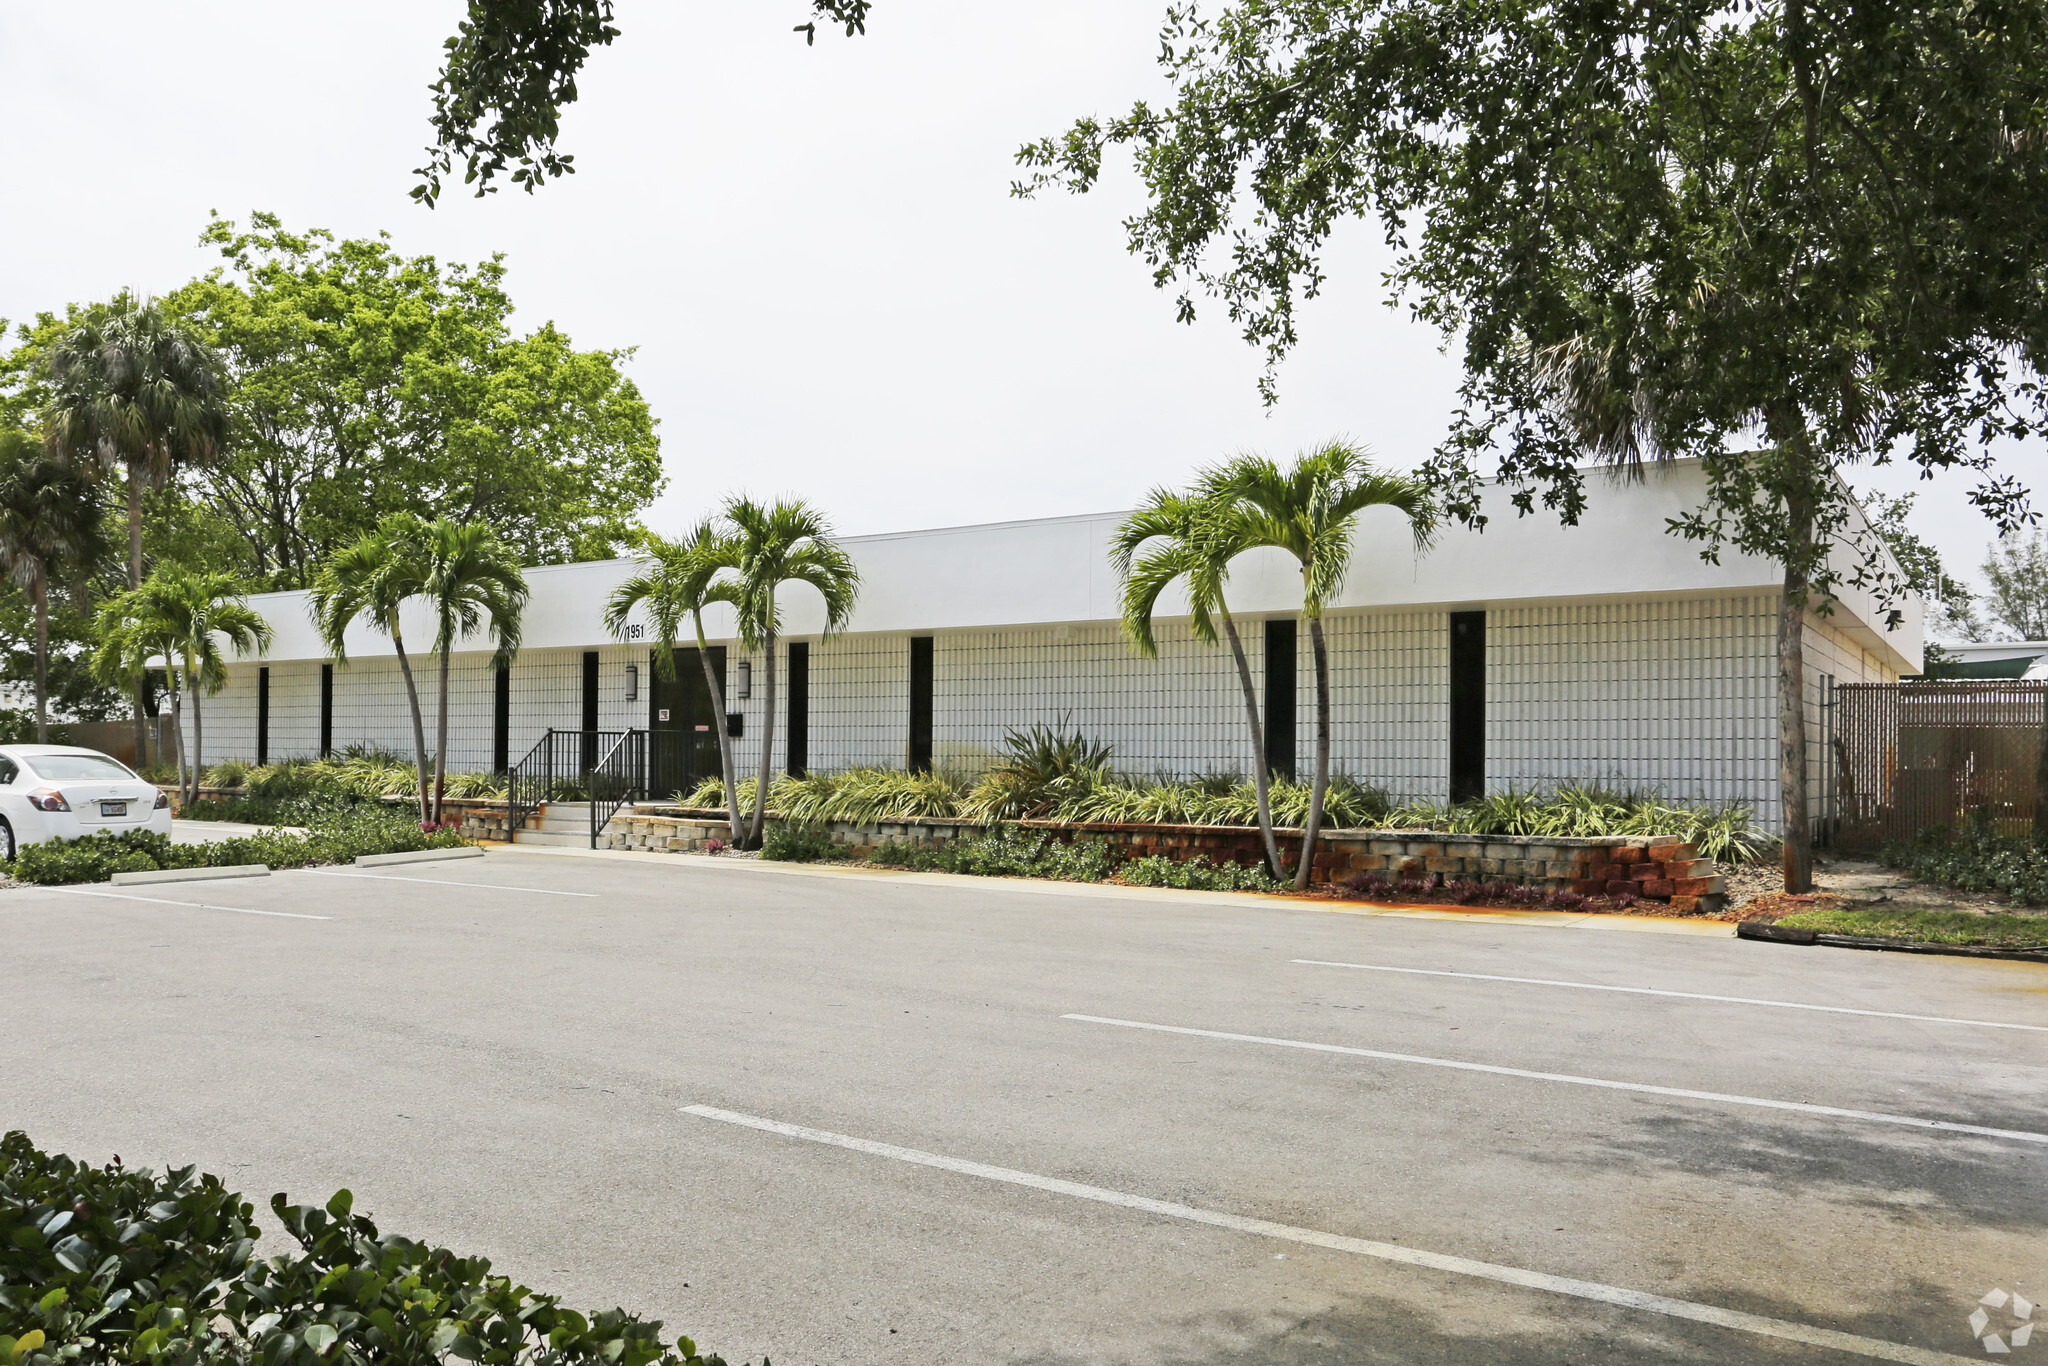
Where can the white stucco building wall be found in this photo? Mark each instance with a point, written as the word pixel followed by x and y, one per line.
pixel 1614 655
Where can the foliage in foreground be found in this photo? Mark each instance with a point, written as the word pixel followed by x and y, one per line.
pixel 1929 927
pixel 291 791
pixel 334 836
pixel 1082 793
pixel 1976 859
pixel 112 1263
pixel 1006 851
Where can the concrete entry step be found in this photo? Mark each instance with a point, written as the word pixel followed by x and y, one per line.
pixel 564 839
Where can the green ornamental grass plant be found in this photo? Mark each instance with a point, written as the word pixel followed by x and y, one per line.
pixel 1080 793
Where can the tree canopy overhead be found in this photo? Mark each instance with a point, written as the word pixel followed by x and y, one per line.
pixel 512 66
pixel 1721 222
pixel 1779 237
pixel 362 382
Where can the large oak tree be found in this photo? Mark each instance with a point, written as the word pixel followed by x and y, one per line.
pixel 1781 238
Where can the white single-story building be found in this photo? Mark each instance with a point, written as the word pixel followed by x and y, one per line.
pixel 1526 655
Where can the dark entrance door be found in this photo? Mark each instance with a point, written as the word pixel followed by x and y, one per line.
pixel 682 747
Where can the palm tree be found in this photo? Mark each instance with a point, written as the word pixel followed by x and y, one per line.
pixel 1195 542
pixel 1310 511
pixel 678 579
pixel 184 617
pixel 369 580
pixel 472 582
pixel 49 527
pixel 787 541
pixel 132 391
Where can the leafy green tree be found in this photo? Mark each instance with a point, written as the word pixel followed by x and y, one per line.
pixel 1781 239
pixel 783 542
pixel 472 583
pixel 2017 570
pixel 1951 606
pixel 511 67
pixel 369 581
pixel 1192 541
pixel 184 617
pixel 1310 510
pixel 49 529
pixel 362 383
pixel 132 392
pixel 675 581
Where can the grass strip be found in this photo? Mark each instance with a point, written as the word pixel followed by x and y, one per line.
pixel 1961 928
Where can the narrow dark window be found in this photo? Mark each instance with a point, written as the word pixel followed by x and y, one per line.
pixel 799 709
pixel 590 751
pixel 920 704
pixel 326 710
pixel 1468 706
pixel 263 716
pixel 1280 696
pixel 501 721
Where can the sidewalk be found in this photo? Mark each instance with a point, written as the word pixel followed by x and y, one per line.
pixel 1569 920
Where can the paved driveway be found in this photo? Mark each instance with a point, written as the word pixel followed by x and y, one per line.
pixel 863 1118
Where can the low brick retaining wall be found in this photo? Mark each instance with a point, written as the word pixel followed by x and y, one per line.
pixel 1649 867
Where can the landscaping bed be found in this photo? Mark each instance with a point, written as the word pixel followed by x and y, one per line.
pixel 1030 849
pixel 331 836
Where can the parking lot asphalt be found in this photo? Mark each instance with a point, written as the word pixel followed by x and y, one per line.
pixel 865 1118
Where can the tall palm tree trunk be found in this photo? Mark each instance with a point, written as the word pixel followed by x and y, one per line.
pixel 1798 845
pixel 1321 784
pixel 419 727
pixel 177 723
pixel 39 590
pixel 1262 777
pixel 135 581
pixel 758 826
pixel 198 741
pixel 441 739
pixel 714 688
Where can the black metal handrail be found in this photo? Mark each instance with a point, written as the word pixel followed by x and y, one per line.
pixel 616 779
pixel 560 762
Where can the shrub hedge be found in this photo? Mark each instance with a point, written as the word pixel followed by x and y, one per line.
pixel 1977 859
pixel 333 837
pixel 117 1264
pixel 1094 794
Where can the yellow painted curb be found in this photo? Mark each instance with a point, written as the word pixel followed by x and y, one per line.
pixel 1640 924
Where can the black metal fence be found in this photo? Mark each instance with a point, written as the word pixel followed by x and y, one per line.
pixel 1909 757
pixel 607 769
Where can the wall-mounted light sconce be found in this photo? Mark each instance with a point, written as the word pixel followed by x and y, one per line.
pixel 632 682
pixel 744 686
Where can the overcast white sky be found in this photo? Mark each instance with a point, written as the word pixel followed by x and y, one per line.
pixel 814 250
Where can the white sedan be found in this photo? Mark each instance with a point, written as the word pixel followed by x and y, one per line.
pixel 56 792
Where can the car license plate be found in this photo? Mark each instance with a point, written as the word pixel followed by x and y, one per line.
pixel 113 808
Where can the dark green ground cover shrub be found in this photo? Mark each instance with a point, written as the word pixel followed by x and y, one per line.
pixel 797 842
pixel 1198 874
pixel 1976 859
pixel 1006 851
pixel 246 810
pixel 112 1264
pixel 332 836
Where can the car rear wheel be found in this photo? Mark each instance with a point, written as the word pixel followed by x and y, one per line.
pixel 7 850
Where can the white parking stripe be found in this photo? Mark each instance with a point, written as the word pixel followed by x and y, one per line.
pixel 195 905
pixel 1874 1348
pixel 444 882
pixel 1911 1121
pixel 1685 995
